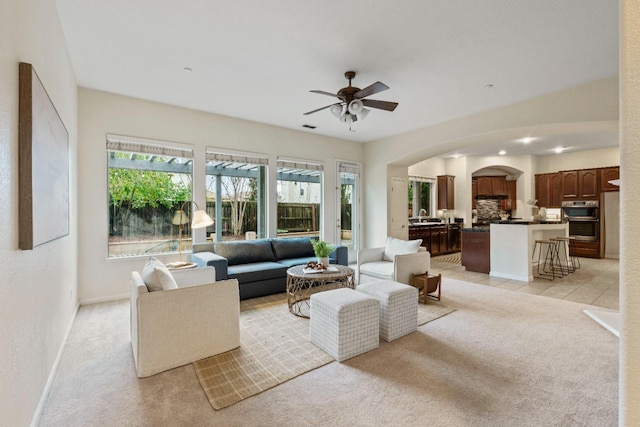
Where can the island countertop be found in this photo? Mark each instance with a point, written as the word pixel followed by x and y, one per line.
pixel 512 247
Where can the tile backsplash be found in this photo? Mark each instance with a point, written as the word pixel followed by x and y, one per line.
pixel 489 208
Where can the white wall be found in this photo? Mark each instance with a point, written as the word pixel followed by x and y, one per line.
pixel 38 292
pixel 101 113
pixel 577 160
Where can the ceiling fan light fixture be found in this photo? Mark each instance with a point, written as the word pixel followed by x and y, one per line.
pixel 363 113
pixel 336 110
pixel 356 106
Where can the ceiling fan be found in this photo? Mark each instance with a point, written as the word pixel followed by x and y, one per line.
pixel 352 101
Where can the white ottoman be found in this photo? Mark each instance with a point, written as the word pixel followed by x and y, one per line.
pixel 398 307
pixel 344 323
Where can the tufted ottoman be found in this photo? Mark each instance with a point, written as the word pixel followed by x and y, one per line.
pixel 398 307
pixel 344 323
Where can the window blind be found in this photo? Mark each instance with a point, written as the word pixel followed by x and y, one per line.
pixel 147 146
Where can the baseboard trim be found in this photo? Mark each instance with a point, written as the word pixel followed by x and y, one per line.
pixel 104 299
pixel 54 370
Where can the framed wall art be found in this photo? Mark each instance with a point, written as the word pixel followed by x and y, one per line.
pixel 43 165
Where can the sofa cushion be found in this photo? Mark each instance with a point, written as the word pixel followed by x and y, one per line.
pixel 379 269
pixel 257 271
pixel 298 247
pixel 157 276
pixel 245 252
pixel 400 247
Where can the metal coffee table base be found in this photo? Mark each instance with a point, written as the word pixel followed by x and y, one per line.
pixel 300 286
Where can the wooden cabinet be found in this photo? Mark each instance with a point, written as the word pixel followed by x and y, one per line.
pixel 511 202
pixel 608 174
pixel 488 186
pixel 498 186
pixel 483 185
pixel 585 249
pixel 446 192
pixel 474 192
pixel 580 184
pixel 555 190
pixel 549 189
pixel 437 239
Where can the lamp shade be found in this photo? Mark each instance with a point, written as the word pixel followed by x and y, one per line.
pixel 336 110
pixel 180 218
pixel 201 219
pixel 363 113
pixel 355 106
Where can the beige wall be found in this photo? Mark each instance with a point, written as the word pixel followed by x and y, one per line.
pixel 577 160
pixel 629 208
pixel 38 289
pixel 101 113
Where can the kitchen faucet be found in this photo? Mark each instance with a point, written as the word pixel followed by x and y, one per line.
pixel 420 214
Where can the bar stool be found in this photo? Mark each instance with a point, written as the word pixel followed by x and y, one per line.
pixel 549 248
pixel 562 246
pixel 575 260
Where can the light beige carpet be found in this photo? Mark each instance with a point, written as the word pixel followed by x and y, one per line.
pixel 274 348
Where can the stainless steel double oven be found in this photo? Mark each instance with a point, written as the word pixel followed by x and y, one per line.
pixel 584 219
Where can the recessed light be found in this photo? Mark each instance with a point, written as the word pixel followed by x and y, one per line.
pixel 526 139
pixel 559 150
pixel 455 156
pixel 502 152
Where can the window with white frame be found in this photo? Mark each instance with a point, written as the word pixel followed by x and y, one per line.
pixel 148 182
pixel 236 194
pixel 421 197
pixel 299 194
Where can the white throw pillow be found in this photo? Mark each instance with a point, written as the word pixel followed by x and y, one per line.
pixel 157 276
pixel 400 247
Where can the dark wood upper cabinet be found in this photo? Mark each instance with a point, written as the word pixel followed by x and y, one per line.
pixel 580 184
pixel 542 189
pixel 474 192
pixel 446 192
pixel 570 185
pixel 555 190
pixel 588 187
pixel 549 192
pixel 608 174
pixel 498 186
pixel 484 185
pixel 491 186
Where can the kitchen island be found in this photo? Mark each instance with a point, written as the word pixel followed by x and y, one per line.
pixel 512 245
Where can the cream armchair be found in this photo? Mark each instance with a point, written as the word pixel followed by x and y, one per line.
pixel 392 262
pixel 171 328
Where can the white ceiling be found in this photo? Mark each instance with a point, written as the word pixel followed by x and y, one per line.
pixel 258 59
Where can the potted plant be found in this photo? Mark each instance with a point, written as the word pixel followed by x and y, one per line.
pixel 322 250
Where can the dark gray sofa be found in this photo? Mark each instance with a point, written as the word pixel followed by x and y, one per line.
pixel 259 265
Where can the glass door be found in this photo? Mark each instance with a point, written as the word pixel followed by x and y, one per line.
pixel 348 216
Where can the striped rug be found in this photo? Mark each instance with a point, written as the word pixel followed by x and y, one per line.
pixel 453 258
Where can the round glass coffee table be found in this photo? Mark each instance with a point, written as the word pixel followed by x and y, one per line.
pixel 301 285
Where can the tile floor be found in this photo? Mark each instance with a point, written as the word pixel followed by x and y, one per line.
pixel 595 283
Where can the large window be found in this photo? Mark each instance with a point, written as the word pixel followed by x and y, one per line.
pixel 299 192
pixel 149 181
pixel 236 195
pixel 421 197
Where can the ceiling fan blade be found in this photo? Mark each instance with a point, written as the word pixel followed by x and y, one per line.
pixel 382 105
pixel 322 92
pixel 320 109
pixel 371 90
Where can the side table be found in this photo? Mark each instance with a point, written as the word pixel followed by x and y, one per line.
pixel 427 285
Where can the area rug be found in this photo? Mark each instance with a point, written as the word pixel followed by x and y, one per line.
pixel 274 348
pixel 449 259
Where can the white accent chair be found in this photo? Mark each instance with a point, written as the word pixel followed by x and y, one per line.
pixel 396 261
pixel 175 327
